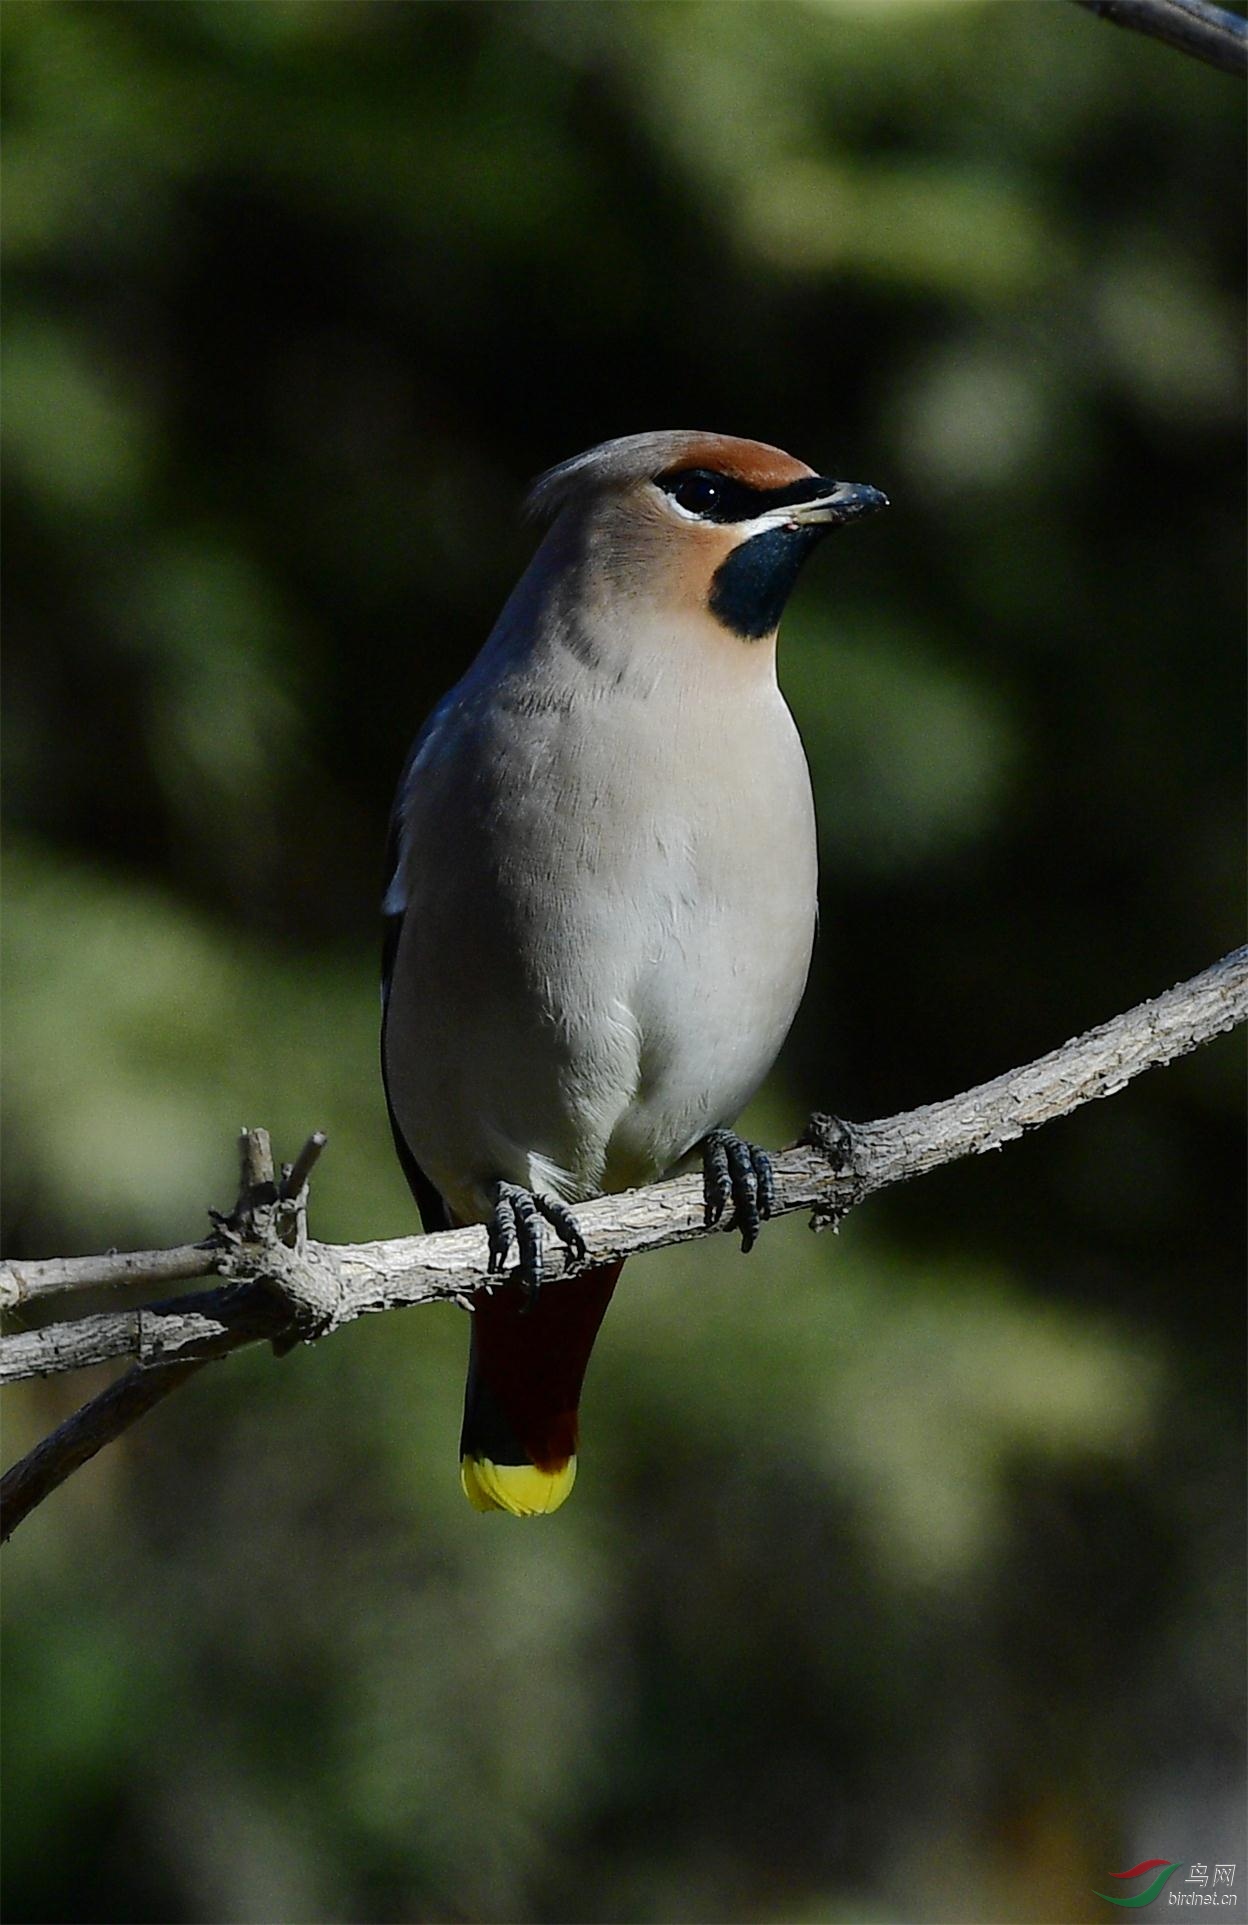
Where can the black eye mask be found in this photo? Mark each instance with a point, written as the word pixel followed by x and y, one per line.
pixel 713 497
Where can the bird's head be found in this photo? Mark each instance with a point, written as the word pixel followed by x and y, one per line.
pixel 693 524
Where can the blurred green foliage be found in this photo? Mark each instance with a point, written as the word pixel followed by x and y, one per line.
pixel 901 1580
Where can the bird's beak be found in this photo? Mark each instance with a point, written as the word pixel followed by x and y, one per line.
pixel 838 501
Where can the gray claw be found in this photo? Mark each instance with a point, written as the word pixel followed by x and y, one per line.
pixel 716 1182
pixel 517 1217
pixel 502 1228
pixel 738 1172
pixel 766 1177
pixel 564 1224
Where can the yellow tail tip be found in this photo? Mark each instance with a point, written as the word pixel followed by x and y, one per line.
pixel 520 1489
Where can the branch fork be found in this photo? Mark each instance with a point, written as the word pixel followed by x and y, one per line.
pixel 264 1239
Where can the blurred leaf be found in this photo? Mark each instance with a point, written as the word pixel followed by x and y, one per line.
pixel 81 443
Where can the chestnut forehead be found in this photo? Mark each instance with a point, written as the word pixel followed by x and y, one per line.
pixel 753 462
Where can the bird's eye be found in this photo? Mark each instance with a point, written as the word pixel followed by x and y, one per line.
pixel 697 492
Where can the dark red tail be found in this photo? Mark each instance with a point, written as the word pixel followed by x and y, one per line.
pixel 525 1371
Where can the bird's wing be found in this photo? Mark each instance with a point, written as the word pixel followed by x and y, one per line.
pixel 433 1210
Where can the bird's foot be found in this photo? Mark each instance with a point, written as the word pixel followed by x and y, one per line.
pixel 737 1172
pixel 517 1219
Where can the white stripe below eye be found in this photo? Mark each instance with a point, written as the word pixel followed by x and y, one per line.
pixel 686 514
pixel 768 518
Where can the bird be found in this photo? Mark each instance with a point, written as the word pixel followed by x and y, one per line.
pixel 600 901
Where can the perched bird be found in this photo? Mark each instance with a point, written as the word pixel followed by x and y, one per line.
pixel 601 899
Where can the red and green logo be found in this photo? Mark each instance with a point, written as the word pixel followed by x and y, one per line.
pixel 1165 1869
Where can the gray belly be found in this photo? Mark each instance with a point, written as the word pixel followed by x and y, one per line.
pixel 597 978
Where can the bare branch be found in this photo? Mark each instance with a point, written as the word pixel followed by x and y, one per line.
pixel 208 1324
pixel 1193 27
pixel 23 1283
pixel 353 1280
pixel 76 1441
pixel 255 1164
pixel 269 1215
pixel 287 1287
pixel 295 1175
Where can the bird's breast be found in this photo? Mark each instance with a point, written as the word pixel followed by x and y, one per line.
pixel 687 871
pixel 610 904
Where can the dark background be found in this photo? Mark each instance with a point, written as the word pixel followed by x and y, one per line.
pixel 903 1579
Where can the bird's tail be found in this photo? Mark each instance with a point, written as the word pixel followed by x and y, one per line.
pixel 525 1371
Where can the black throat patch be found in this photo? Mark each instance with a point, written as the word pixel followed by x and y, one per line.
pixel 750 589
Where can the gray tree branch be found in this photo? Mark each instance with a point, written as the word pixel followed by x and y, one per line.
pixel 283 1286
pixel 76 1441
pixel 1208 33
